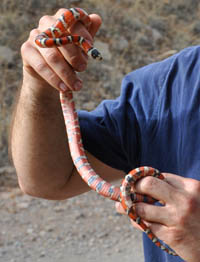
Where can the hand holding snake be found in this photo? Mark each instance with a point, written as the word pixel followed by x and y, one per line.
pixel 56 36
pixel 57 66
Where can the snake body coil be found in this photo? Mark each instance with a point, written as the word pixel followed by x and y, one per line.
pixel 56 36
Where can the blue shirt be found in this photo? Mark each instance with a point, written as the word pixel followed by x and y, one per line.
pixel 155 122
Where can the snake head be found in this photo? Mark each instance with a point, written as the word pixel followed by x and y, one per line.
pixel 95 54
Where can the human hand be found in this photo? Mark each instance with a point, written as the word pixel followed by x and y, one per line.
pixel 57 66
pixel 177 221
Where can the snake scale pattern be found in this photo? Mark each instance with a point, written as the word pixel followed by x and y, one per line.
pixel 57 36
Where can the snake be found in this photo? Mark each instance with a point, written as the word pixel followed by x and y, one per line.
pixel 57 36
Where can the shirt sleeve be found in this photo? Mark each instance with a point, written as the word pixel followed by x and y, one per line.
pixel 110 132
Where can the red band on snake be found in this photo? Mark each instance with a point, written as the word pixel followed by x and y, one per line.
pixel 57 36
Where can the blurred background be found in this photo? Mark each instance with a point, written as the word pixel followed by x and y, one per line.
pixel 133 34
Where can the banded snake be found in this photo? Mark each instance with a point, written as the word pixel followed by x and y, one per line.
pixel 55 36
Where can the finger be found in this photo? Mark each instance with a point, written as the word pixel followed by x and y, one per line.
pixel 72 53
pixel 177 181
pixel 60 12
pixel 45 22
pixel 95 19
pixel 151 213
pixel 156 188
pixel 63 70
pixel 39 65
pixel 55 60
pixel 75 55
pixel 96 23
pixel 160 231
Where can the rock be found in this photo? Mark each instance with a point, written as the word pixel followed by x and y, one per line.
pixel 181 40
pixel 30 231
pixel 196 28
pixel 146 42
pixel 158 24
pixel 157 36
pixel 137 25
pixel 42 233
pixel 7 170
pixel 49 229
pixel 183 9
pixel 23 205
pixel 42 254
pixel 58 209
pixel 6 55
pixel 121 44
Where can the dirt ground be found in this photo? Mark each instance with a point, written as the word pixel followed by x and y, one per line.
pixel 85 228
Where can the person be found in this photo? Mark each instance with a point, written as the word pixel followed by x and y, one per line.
pixel 154 122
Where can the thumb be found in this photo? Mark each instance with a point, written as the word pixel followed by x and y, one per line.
pixel 96 23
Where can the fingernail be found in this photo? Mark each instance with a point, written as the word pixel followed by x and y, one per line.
pixel 78 85
pixel 63 87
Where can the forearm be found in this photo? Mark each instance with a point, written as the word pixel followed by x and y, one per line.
pixel 38 141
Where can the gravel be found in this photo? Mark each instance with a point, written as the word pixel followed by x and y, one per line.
pixel 84 228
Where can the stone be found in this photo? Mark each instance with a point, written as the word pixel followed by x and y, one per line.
pixel 6 55
pixel 122 43
pixel 157 36
pixel 196 28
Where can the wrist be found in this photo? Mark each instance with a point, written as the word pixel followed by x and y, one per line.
pixel 38 97
pixel 36 86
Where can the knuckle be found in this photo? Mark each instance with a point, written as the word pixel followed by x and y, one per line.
pixel 24 48
pixel 61 11
pixel 40 67
pixel 44 19
pixel 68 75
pixel 140 210
pixel 52 78
pixel 175 235
pixel 182 220
pixel 51 56
pixel 78 63
pixel 182 215
pixel 149 183
pixel 190 204
pixel 75 60
pixel 34 32
pixel 194 186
